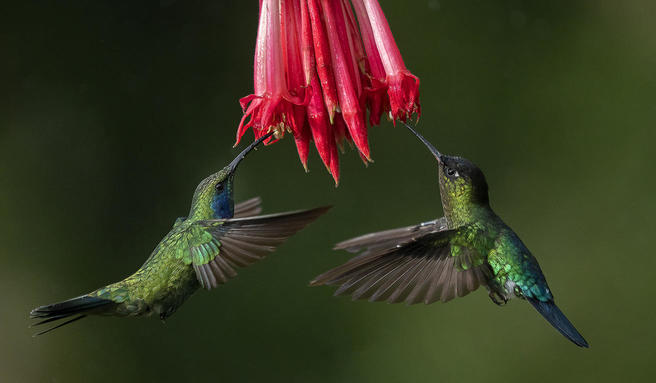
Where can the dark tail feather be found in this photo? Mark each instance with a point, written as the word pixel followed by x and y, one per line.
pixel 80 305
pixel 553 315
pixel 58 326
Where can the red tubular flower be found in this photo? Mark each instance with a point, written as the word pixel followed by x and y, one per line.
pixel 403 86
pixel 290 19
pixel 320 65
pixel 343 63
pixel 377 86
pixel 322 57
pixel 270 107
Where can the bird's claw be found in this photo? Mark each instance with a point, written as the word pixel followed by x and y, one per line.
pixel 497 298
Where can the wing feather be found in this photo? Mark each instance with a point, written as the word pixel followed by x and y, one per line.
pixel 387 239
pixel 245 240
pixel 422 268
pixel 387 288
pixel 248 208
pixel 406 285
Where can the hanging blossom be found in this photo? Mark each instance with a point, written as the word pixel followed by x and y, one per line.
pixel 320 65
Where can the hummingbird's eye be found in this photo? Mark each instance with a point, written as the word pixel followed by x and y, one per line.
pixel 219 187
pixel 451 172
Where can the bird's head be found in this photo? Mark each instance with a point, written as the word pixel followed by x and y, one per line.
pixel 213 197
pixel 461 182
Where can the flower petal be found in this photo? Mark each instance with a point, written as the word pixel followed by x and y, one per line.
pixel 322 58
pixel 346 86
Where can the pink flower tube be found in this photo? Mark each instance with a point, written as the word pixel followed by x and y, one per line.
pixel 320 66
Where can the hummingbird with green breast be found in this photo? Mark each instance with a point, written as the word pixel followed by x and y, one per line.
pixel 203 249
pixel 448 257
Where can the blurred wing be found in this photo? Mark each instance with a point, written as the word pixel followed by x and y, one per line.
pixel 248 208
pixel 389 239
pixel 242 241
pixel 426 269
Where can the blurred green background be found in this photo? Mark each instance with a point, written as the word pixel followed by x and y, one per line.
pixel 112 111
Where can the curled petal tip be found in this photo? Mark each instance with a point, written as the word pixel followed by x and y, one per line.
pixel 331 115
pixel 403 92
pixel 365 155
pixel 365 159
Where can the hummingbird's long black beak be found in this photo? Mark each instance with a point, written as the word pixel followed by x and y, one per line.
pixel 242 155
pixel 430 146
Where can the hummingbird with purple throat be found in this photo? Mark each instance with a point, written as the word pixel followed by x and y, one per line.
pixel 203 249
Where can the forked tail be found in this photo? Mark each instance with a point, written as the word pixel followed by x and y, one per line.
pixel 553 315
pixel 77 308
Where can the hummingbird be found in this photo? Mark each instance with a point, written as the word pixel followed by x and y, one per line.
pixel 470 246
pixel 203 249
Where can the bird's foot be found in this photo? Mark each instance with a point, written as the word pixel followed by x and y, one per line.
pixel 497 298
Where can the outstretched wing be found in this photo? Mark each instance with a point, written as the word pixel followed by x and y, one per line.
pixel 425 269
pixel 239 242
pixel 248 208
pixel 389 239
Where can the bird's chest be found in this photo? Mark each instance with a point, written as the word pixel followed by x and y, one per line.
pixel 171 288
pixel 174 292
pixel 514 267
pixel 163 285
pixel 502 259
